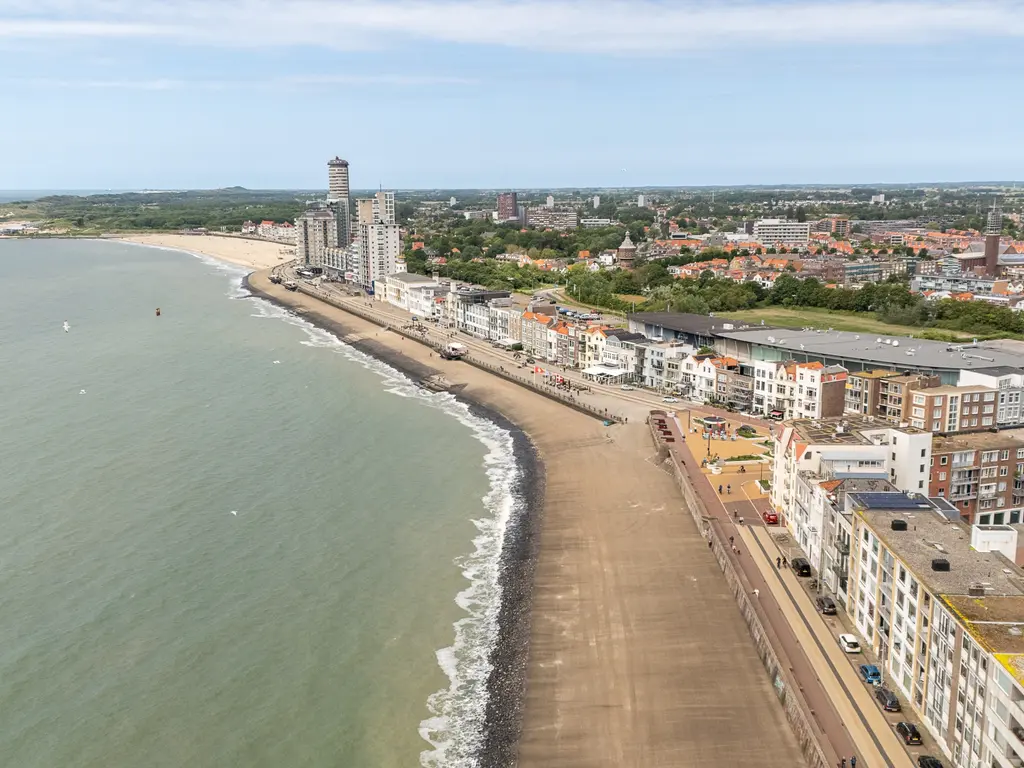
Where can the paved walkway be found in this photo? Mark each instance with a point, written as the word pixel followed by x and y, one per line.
pixel 842 708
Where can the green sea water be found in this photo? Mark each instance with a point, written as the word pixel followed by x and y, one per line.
pixel 225 538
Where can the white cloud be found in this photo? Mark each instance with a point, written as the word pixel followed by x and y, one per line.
pixel 167 84
pixel 639 27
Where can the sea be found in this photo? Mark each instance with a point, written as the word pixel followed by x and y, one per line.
pixel 229 539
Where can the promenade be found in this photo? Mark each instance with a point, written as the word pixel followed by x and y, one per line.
pixel 841 710
pixel 638 655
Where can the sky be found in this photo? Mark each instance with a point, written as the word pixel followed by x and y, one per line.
pixel 131 94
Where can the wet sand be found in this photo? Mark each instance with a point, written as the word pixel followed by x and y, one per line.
pixel 637 653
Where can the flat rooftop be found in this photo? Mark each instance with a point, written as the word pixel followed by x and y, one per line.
pixel 996 622
pixel 930 536
pixel 878 373
pixel 904 352
pixel 823 431
pixel 974 441
pixel 704 325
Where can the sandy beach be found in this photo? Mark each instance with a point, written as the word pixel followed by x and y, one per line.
pixel 638 655
pixel 257 254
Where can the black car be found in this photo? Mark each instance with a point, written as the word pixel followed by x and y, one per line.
pixel 800 566
pixel 927 761
pixel 909 733
pixel 887 699
pixel 826 605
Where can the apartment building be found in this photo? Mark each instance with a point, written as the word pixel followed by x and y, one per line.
pixel 413 293
pixel 951 409
pixel 534 333
pixel 663 363
pixel 810 452
pixel 946 621
pixel 782 232
pixel 563 348
pixel 792 390
pixel 981 475
pixel 468 308
pixel 894 394
pixel 315 232
pixel 1009 383
pixel 552 218
pixel 505 321
pixel 508 206
pixel 626 351
pixel 863 391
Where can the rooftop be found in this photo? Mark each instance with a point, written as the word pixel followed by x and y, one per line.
pixel 705 325
pixel 930 536
pixel 411 277
pixel 973 441
pixel 992 621
pixel 851 427
pixel 903 352
pixel 878 373
pixel 998 370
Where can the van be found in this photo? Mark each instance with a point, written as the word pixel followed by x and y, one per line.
pixel 800 566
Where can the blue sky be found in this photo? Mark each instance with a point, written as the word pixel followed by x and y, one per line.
pixel 496 93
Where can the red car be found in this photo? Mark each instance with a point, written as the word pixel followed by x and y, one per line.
pixel 770 517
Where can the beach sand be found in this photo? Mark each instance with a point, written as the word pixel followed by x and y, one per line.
pixel 258 254
pixel 638 655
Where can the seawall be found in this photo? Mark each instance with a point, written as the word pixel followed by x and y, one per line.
pixel 796 710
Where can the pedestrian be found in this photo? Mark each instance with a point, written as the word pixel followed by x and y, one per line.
pixel 842 763
pixel 853 762
pixel 710 544
pixel 778 562
pixel 731 540
pixel 719 490
pixel 784 561
pixel 757 592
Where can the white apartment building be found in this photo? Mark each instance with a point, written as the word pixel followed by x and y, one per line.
pixel 947 622
pixel 1009 382
pixel 663 363
pixel 411 292
pixel 810 452
pixel 316 231
pixel 782 232
pixel 505 321
pixel 792 390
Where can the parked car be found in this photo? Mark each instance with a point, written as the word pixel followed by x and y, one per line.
pixel 927 761
pixel 800 566
pixel 670 399
pixel 627 388
pixel 826 605
pixel 870 674
pixel 909 733
pixel 770 517
pixel 849 643
pixel 887 699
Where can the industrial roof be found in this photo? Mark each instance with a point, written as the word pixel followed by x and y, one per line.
pixel 705 325
pixel 902 351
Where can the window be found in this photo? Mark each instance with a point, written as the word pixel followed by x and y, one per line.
pixel 922 453
pixel 1004 455
pixel 987 457
pixel 920 485
pixel 922 468
pixel 1004 471
pixel 944 460
pixel 942 476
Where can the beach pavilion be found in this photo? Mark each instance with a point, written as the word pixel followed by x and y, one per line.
pixel 606 374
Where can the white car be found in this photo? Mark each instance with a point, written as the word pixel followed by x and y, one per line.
pixel 670 399
pixel 627 388
pixel 849 643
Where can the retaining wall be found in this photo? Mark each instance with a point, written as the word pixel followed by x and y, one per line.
pixel 785 687
pixel 384 321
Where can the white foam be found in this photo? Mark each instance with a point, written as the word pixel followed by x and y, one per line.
pixel 455 728
pixel 234 271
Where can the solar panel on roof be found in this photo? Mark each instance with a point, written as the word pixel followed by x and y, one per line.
pixel 889 501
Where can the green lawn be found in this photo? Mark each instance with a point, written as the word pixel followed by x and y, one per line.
pixel 786 317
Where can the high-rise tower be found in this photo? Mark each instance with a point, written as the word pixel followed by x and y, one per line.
pixel 992 232
pixel 338 198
